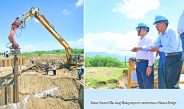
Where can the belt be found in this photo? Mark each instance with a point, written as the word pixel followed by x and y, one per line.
pixel 141 60
pixel 171 54
pixel 134 86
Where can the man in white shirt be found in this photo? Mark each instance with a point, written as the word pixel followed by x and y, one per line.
pixel 54 69
pixel 7 54
pixel 145 59
pixel 82 68
pixel 62 62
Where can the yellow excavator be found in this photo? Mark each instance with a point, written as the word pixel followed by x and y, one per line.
pixel 20 23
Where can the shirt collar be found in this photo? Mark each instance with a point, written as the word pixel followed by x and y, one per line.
pixel 145 37
pixel 166 31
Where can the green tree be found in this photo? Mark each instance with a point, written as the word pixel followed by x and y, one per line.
pixel 102 61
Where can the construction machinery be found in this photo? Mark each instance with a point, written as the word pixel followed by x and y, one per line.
pixel 19 23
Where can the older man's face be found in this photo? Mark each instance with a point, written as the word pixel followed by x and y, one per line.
pixel 159 26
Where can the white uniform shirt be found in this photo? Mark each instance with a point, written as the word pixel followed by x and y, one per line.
pixel 82 67
pixel 62 62
pixel 54 68
pixel 147 55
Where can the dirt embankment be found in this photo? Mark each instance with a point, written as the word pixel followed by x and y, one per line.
pixel 45 58
pixel 39 91
pixel 48 92
pixel 66 95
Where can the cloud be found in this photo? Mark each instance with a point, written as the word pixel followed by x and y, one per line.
pixel 135 9
pixel 3 48
pixel 77 44
pixel 112 43
pixel 44 46
pixel 79 3
pixel 29 48
pixel 65 12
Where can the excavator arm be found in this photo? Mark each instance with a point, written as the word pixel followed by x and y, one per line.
pixel 20 22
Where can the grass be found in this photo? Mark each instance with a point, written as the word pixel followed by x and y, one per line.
pixel 102 77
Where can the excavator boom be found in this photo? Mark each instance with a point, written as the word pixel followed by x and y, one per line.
pixel 20 21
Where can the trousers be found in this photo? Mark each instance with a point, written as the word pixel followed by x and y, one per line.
pixel 172 71
pixel 144 82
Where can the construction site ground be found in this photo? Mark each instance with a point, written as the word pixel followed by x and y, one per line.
pixel 40 91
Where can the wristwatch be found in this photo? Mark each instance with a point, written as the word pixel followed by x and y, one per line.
pixel 140 48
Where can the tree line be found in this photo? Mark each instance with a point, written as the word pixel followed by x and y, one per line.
pixel 73 51
pixel 102 61
pixel 106 61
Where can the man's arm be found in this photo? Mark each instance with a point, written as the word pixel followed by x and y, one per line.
pixel 152 45
pixel 151 55
pixel 151 60
pixel 149 68
pixel 156 44
pixel 180 28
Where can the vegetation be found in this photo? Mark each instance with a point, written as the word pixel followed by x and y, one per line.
pixel 102 77
pixel 73 51
pixel 156 62
pixel 102 61
pixel 106 61
pixel 104 71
